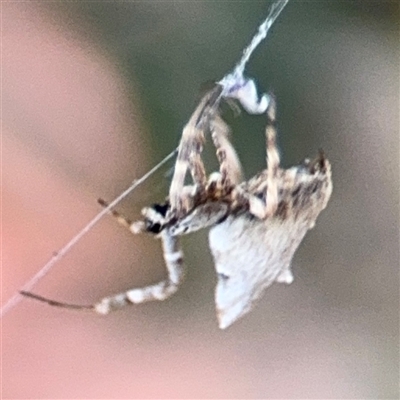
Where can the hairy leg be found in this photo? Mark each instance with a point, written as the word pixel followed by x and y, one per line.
pixel 160 291
pixel 273 160
pixel 229 165
pixel 267 181
pixel 189 154
pixel 173 258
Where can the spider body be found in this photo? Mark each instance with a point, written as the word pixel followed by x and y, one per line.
pixel 251 253
pixel 256 225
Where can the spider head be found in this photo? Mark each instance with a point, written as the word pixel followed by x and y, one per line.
pixel 154 217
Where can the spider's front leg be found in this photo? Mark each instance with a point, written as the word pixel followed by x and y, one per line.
pixel 189 155
pixel 173 257
pixel 230 169
pixel 273 160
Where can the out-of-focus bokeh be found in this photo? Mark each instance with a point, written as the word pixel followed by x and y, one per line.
pixel 93 95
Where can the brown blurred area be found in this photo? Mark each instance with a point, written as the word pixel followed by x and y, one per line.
pixel 93 95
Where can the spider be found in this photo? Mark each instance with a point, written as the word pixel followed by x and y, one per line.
pixel 256 225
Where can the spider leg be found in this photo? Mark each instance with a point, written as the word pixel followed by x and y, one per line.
pixel 229 165
pixel 173 258
pixel 189 153
pixel 160 291
pixel 137 226
pixel 122 220
pixel 273 160
pixel 259 208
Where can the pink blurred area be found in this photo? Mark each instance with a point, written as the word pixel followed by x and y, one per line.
pixel 71 133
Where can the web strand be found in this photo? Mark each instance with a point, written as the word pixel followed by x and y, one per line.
pixel 261 34
pixel 235 85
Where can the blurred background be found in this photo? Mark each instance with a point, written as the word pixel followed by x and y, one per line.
pixel 93 95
